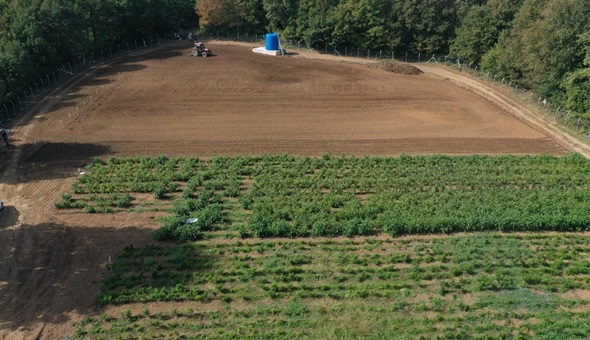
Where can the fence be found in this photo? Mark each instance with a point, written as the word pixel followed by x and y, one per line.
pixel 29 96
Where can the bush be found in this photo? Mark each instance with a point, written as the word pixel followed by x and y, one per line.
pixel 160 191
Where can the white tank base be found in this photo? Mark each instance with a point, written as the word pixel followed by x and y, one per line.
pixel 263 50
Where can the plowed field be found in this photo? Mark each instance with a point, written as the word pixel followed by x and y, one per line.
pixel 238 102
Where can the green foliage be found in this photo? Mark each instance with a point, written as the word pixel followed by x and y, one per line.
pixel 338 196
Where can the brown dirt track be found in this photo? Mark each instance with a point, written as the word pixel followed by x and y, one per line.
pixel 163 102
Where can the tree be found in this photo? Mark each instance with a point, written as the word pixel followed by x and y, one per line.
pixel 481 27
pixel 577 83
pixel 281 15
pixel 429 24
pixel 543 45
pixel 364 24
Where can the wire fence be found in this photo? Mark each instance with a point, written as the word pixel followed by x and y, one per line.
pixel 32 94
pixel 575 124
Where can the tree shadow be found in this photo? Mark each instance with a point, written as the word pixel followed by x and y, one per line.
pixel 66 94
pixel 47 160
pixel 49 152
pixel 51 271
pixel 9 216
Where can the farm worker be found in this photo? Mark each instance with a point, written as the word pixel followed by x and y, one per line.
pixel 4 132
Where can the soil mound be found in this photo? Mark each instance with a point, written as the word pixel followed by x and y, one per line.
pixel 396 67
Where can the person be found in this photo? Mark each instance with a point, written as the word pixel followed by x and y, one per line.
pixel 4 133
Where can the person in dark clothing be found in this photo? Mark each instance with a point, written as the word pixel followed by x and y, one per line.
pixel 4 133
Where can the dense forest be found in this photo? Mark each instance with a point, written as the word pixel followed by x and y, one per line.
pixel 543 45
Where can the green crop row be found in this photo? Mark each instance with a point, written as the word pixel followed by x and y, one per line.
pixel 284 196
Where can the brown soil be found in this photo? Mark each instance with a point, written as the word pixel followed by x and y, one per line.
pixel 163 102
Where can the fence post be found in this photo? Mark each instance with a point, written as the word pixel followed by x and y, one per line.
pixel 13 109
pixel 48 80
pixel 578 124
pixel 368 53
pixel 20 103
pixel 380 54
pixel 406 57
pixel 566 117
pixel 419 57
pixel 7 116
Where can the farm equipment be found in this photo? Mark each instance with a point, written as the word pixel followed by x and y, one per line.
pixel 200 49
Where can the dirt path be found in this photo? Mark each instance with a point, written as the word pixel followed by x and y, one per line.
pixel 51 262
pixel 516 107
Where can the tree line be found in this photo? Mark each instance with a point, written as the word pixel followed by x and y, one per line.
pixel 543 45
pixel 37 36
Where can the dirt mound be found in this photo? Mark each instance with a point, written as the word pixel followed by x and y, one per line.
pixel 396 67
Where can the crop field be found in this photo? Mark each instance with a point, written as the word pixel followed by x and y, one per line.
pixel 288 285
pixel 483 285
pixel 287 196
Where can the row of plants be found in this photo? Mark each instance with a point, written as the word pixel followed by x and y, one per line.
pixel 485 284
pixel 286 196
pixel 369 268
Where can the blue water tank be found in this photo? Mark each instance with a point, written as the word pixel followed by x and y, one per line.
pixel 272 41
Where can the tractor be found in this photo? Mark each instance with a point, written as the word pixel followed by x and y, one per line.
pixel 200 49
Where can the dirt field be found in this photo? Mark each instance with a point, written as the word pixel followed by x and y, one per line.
pixel 236 102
